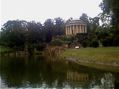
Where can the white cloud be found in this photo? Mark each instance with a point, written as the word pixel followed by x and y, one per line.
pixel 40 10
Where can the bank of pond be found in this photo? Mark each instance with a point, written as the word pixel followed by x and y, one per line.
pixel 49 51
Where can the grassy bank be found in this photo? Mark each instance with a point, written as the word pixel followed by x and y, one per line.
pixel 103 57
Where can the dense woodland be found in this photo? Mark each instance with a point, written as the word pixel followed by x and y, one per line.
pixel 102 30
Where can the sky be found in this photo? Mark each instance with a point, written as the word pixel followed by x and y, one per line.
pixel 40 10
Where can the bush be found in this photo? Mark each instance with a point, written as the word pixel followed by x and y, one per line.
pixel 116 41
pixel 94 43
pixel 85 43
pixel 57 42
pixel 40 47
pixel 30 49
pixel 107 42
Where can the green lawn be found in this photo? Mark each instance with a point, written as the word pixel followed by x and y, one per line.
pixel 101 54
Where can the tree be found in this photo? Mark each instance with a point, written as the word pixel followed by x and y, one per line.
pixel 94 24
pixel 49 27
pixel 111 14
pixel 84 17
pixel 59 26
pixel 13 33
pixel 34 32
pixel 111 8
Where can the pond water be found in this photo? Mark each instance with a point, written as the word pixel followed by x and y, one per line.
pixel 40 73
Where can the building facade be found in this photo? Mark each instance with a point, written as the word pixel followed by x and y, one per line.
pixel 73 27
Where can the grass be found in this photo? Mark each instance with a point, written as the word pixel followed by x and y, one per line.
pixel 95 54
pixel 94 57
pixel 4 49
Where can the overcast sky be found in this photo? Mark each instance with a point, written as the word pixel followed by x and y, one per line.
pixel 40 10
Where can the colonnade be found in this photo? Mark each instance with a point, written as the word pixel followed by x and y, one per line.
pixel 74 29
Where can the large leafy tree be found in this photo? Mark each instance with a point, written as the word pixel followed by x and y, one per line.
pixel 34 32
pixel 59 26
pixel 18 33
pixel 111 8
pixel 111 13
pixel 48 27
pixel 84 17
pixel 13 33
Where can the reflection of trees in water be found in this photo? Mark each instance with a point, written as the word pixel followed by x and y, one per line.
pixel 18 72
pixel 23 72
pixel 107 81
pixel 38 72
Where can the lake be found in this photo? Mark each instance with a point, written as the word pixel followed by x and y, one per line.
pixel 40 72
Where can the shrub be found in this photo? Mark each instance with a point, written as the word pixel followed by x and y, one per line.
pixel 40 47
pixel 30 49
pixel 107 42
pixel 94 43
pixel 116 41
pixel 57 42
pixel 85 43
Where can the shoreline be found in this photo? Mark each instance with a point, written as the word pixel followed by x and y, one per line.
pixel 105 58
pixel 97 65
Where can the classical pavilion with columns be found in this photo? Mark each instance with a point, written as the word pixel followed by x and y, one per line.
pixel 73 27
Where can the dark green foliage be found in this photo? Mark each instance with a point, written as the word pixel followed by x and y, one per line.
pixel 85 43
pixel 111 8
pixel 34 32
pixel 59 26
pixel 81 37
pixel 116 41
pixel 40 47
pixel 19 33
pixel 94 43
pixel 110 20
pixel 57 42
pixel 13 34
pixel 65 39
pixel 30 49
pixel 108 41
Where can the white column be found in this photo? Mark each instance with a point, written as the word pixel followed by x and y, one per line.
pixel 79 28
pixel 76 28
pixel 66 30
pixel 85 29
pixel 70 29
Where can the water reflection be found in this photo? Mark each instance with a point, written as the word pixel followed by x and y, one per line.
pixel 24 72
pixel 107 81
